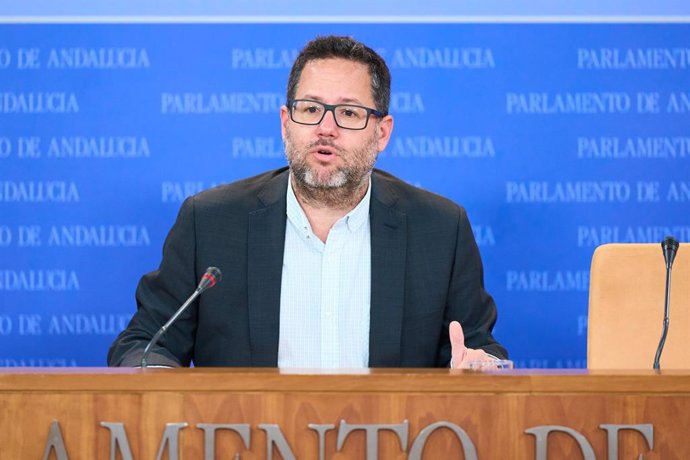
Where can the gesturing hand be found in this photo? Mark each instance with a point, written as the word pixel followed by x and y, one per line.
pixel 460 354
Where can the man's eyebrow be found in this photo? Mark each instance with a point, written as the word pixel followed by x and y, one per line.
pixel 344 100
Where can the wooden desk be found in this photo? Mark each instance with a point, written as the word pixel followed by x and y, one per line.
pixel 494 410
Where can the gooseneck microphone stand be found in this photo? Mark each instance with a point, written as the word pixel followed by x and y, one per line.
pixel 669 247
pixel 212 276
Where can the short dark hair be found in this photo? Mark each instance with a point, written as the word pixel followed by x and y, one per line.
pixel 333 46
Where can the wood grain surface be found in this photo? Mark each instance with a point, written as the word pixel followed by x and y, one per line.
pixel 494 409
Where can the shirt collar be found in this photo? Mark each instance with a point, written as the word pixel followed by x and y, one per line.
pixel 360 214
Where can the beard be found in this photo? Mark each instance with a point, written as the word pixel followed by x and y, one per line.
pixel 342 187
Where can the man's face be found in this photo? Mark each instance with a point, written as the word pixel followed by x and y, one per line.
pixel 325 156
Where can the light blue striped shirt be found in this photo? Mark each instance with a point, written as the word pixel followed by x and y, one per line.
pixel 326 291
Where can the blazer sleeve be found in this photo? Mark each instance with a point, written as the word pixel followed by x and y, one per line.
pixel 468 301
pixel 158 296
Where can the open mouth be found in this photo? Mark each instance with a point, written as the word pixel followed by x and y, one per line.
pixel 324 150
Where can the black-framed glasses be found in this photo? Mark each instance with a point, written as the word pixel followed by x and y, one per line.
pixel 347 116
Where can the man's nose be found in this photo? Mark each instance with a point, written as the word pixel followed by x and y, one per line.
pixel 328 124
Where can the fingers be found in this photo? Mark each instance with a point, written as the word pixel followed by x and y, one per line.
pixel 461 355
pixel 457 343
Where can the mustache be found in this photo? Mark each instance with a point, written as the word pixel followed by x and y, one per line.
pixel 324 143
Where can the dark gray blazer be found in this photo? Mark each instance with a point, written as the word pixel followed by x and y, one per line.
pixel 426 271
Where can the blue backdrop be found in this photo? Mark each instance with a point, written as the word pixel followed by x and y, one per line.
pixel 556 137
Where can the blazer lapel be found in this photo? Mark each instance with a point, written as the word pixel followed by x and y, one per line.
pixel 266 242
pixel 388 242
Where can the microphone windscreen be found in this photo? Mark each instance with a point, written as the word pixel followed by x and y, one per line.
pixel 212 276
pixel 669 247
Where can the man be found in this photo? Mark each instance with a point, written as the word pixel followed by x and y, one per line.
pixel 327 263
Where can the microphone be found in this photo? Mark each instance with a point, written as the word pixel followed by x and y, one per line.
pixel 208 280
pixel 669 247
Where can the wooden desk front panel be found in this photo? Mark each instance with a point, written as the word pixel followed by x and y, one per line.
pixel 495 420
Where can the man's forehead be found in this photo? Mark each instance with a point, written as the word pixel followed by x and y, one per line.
pixel 326 78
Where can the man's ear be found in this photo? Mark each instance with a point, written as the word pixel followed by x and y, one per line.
pixel 284 118
pixel 384 129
